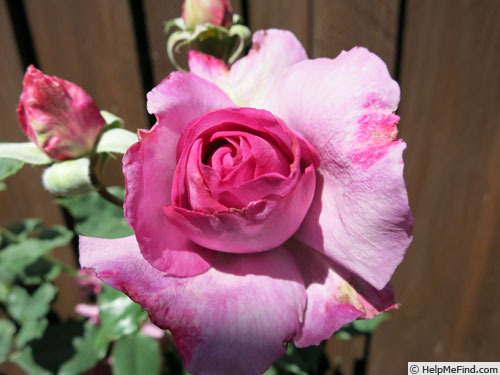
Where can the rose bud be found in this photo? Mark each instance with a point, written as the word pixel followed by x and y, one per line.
pixel 216 12
pixel 58 116
pixel 268 204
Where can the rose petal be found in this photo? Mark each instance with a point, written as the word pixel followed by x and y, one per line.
pixel 251 77
pixel 149 165
pixel 334 296
pixel 249 305
pixel 360 217
pixel 260 226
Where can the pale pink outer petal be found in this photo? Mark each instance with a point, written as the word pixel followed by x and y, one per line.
pixel 360 217
pixel 334 296
pixel 149 166
pixel 250 78
pixel 233 319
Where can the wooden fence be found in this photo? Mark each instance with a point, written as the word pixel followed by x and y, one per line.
pixel 446 56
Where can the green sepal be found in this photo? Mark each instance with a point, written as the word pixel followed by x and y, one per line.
pixel 26 152
pixel 116 140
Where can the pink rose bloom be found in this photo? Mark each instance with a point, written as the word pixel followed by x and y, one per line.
pixel 268 204
pixel 58 116
pixel 198 12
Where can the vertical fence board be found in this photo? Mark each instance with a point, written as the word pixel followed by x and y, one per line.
pixel 340 25
pixel 92 44
pixel 25 197
pixel 448 283
pixel 156 12
pixel 283 14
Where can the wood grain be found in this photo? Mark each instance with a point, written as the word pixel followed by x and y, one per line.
pixel 25 197
pixel 450 118
pixel 156 13
pixel 340 25
pixel 293 15
pixel 92 44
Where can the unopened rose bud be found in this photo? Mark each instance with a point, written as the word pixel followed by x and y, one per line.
pixel 216 12
pixel 58 116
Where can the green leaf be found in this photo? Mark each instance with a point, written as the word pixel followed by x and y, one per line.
pixel 24 359
pixel 32 329
pixel 16 257
pixel 65 348
pixel 96 217
pixel 39 271
pixel 23 259
pixel 87 352
pixel 24 307
pixel 55 236
pixel 369 325
pixel 4 287
pixel 26 227
pixel 8 167
pixel 360 327
pixel 116 140
pixel 7 330
pixel 27 152
pixel 119 315
pixel 301 361
pixel 136 354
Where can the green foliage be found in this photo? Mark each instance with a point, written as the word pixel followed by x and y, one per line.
pixel 26 292
pixel 311 360
pixel 119 315
pixel 360 327
pixel 116 140
pixel 29 311
pixel 65 349
pixel 26 152
pixel 136 354
pixel 25 308
pixel 32 329
pixel 112 121
pixel 7 330
pixel 23 254
pixel 96 216
pixel 24 359
pixel 87 352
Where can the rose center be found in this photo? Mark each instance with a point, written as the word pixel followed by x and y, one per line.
pixel 239 157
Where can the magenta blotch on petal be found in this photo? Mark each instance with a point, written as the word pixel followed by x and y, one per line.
pixel 360 216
